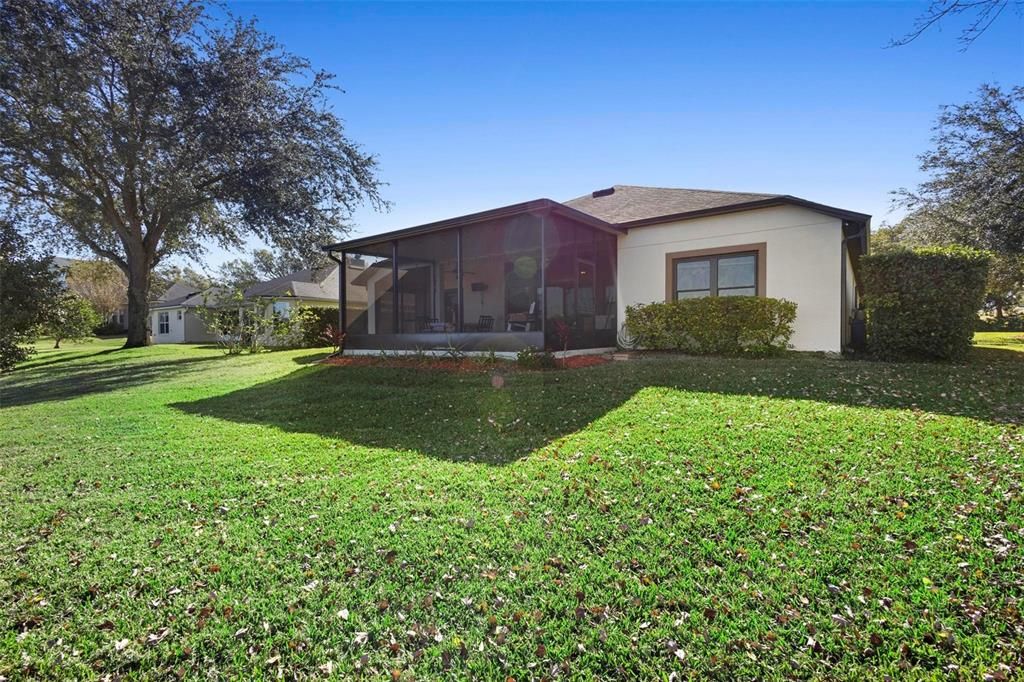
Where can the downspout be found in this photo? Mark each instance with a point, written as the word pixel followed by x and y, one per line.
pixel 845 323
pixel 341 288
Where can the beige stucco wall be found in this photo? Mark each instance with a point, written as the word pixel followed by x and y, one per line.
pixel 803 260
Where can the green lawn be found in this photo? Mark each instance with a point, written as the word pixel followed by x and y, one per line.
pixel 175 511
pixel 1002 340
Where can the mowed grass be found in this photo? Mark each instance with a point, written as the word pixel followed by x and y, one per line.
pixel 1001 340
pixel 172 511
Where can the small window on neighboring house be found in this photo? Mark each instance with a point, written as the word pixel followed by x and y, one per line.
pixel 179 314
pixel 163 323
pixel 282 309
pixel 733 274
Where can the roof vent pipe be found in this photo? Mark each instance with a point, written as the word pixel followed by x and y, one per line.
pixel 603 192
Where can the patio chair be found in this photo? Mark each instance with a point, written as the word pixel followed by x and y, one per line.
pixel 524 322
pixel 485 323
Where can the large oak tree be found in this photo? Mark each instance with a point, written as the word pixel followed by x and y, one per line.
pixel 144 128
pixel 974 190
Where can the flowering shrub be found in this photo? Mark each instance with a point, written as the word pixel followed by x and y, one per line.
pixel 335 337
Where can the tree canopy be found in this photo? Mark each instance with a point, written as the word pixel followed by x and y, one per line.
pixel 141 129
pixel 100 283
pixel 166 275
pixel 29 283
pixel 70 318
pixel 979 15
pixel 263 264
pixel 974 194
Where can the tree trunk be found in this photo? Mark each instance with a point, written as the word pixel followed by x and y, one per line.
pixel 56 343
pixel 138 302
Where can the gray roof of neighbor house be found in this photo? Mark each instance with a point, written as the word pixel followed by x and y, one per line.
pixel 177 290
pixel 311 283
pixel 633 206
pixel 193 299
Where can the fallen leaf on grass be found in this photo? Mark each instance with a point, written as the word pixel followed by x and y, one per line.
pixel 154 638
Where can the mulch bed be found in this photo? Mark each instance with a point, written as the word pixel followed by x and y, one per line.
pixel 456 365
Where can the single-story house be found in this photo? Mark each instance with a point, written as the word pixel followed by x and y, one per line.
pixel 175 320
pixel 312 287
pixel 511 277
pixel 173 316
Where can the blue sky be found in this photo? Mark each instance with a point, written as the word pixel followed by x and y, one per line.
pixel 477 105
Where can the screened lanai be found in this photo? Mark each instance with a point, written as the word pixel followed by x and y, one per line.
pixel 534 274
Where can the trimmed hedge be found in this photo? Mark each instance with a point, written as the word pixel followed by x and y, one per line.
pixel 312 323
pixel 922 304
pixel 726 325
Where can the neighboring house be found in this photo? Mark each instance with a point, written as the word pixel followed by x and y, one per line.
pixel 175 320
pixel 312 287
pixel 173 316
pixel 507 278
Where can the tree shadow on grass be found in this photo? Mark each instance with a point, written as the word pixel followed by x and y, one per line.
pixel 26 387
pixel 64 357
pixel 465 417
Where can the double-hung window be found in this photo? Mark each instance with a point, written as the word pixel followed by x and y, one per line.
pixel 163 323
pixel 727 274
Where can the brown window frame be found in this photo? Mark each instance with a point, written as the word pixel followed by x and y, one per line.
pixel 759 250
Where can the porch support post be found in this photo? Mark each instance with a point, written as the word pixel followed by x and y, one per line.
pixel 458 266
pixel 543 280
pixel 342 294
pixel 342 286
pixel 395 299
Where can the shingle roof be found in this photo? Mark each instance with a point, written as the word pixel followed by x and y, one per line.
pixel 177 290
pixel 207 298
pixel 626 203
pixel 308 283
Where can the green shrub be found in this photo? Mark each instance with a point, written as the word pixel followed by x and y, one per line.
pixel 922 304
pixel 70 318
pixel 109 328
pixel 314 332
pixel 307 325
pixel 726 325
pixel 534 358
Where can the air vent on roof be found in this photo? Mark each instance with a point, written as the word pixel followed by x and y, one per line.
pixel 603 192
